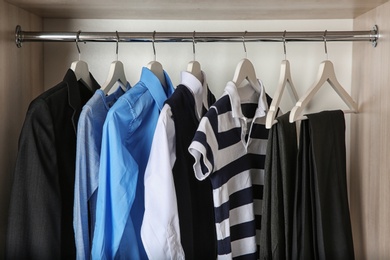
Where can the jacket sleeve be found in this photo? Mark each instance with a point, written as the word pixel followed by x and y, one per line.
pixel 35 205
pixel 161 235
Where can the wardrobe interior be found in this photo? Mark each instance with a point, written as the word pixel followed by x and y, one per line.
pixel 362 69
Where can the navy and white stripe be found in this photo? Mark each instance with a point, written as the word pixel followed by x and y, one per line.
pixel 230 149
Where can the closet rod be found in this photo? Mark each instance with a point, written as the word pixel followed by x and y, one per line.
pixel 288 36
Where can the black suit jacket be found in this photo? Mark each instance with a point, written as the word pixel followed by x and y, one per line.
pixel 40 224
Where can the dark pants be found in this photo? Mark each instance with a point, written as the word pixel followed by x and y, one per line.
pixel 322 226
pixel 278 197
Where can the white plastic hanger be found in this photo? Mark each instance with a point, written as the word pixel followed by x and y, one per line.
pixel 284 80
pixel 80 67
pixel 116 73
pixel 326 73
pixel 246 71
pixel 156 66
pixel 193 66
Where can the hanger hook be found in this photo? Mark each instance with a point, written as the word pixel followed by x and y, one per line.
pixel 284 45
pixel 77 43
pixel 154 48
pixel 326 48
pixel 243 43
pixel 117 45
pixel 193 44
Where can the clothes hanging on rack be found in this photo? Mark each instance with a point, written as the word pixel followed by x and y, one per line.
pixel 89 139
pixel 229 148
pixel 41 205
pixel 172 192
pixel 278 197
pixel 322 226
pixel 127 138
pixel 199 175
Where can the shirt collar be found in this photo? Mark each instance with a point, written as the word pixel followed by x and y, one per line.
pixel 198 89
pixel 156 89
pixel 262 106
pixel 205 92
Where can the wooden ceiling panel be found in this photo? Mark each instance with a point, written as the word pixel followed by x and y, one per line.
pixel 199 10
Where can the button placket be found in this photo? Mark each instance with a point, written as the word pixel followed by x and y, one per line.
pixel 243 131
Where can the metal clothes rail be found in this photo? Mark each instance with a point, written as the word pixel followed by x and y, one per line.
pixel 196 37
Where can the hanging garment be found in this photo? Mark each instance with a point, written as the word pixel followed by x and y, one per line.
pixel 229 148
pixel 322 226
pixel 41 206
pixel 127 137
pixel 183 204
pixel 89 140
pixel 279 183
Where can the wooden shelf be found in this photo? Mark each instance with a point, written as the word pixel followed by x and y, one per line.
pixel 199 10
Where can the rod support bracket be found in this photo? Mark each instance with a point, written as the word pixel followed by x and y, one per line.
pixel 18 36
pixel 375 30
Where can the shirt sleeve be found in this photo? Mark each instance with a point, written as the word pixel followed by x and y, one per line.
pixel 117 186
pixel 34 227
pixel 160 231
pixel 87 159
pixel 204 144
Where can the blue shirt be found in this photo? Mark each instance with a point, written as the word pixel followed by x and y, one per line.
pixel 127 137
pixel 89 139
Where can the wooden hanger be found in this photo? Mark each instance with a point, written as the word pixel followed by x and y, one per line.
pixel 156 66
pixel 284 79
pixel 158 71
pixel 246 71
pixel 80 68
pixel 326 73
pixel 193 67
pixel 116 73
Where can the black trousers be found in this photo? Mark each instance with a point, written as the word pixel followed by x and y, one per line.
pixel 322 226
pixel 278 195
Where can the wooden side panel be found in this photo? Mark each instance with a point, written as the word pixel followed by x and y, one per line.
pixel 21 79
pixel 370 140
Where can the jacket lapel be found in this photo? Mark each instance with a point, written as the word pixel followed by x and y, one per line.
pixel 74 94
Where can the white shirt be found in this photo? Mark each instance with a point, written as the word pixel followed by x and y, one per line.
pixel 160 231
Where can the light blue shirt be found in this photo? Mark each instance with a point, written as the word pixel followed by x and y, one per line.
pixel 127 137
pixel 89 139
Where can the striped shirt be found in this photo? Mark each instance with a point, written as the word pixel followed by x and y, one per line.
pixel 229 147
